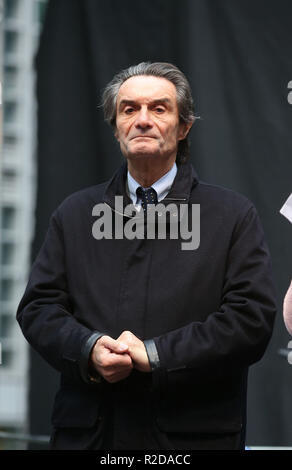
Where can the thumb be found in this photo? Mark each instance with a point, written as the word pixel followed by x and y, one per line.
pixel 114 345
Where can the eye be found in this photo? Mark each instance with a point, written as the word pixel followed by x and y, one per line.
pixel 160 109
pixel 129 110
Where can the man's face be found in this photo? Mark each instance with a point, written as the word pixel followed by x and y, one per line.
pixel 147 122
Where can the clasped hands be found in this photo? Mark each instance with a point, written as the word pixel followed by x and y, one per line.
pixel 114 359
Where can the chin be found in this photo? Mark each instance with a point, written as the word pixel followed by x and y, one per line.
pixel 141 156
pixel 143 151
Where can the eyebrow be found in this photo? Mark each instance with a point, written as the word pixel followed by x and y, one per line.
pixel 154 102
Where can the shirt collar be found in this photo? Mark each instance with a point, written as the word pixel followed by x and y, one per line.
pixel 161 186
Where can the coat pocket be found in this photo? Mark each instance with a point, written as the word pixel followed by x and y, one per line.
pixel 76 407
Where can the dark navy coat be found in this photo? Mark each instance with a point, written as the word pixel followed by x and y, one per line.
pixel 210 311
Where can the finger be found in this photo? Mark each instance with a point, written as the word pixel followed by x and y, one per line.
pixel 126 337
pixel 117 376
pixel 117 360
pixel 108 360
pixel 113 373
pixel 113 344
pixel 102 357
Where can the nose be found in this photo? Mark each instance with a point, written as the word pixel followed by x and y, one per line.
pixel 143 119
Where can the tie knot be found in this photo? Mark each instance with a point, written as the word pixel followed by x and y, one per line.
pixel 148 196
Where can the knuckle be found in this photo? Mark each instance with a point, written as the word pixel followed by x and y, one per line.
pixel 105 339
pixel 126 335
pixel 126 332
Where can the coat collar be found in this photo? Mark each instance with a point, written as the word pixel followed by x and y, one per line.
pixel 186 179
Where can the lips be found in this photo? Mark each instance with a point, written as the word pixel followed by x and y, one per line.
pixel 143 137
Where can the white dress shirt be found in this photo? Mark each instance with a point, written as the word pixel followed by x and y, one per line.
pixel 161 186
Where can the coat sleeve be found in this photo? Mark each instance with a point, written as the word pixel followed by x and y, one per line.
pixel 45 311
pixel 238 333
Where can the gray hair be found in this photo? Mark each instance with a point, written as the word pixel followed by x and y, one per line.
pixel 155 69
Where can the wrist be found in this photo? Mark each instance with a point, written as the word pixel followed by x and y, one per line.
pixel 87 370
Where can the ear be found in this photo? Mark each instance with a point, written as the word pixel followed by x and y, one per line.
pixel 184 129
pixel 116 134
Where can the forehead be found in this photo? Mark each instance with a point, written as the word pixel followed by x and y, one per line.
pixel 147 88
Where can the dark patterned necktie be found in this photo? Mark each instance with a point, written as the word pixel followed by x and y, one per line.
pixel 148 196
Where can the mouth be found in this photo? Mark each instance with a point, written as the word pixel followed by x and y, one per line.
pixel 143 137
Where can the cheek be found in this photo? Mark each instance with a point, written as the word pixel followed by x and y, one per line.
pixel 124 132
pixel 121 127
pixel 170 133
pixel 168 126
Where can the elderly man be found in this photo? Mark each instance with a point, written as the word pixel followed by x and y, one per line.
pixel 153 341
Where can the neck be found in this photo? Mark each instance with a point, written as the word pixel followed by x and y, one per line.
pixel 145 173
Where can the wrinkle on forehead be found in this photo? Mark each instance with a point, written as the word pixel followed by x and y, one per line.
pixel 147 88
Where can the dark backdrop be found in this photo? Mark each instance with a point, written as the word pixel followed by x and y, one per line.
pixel 237 56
